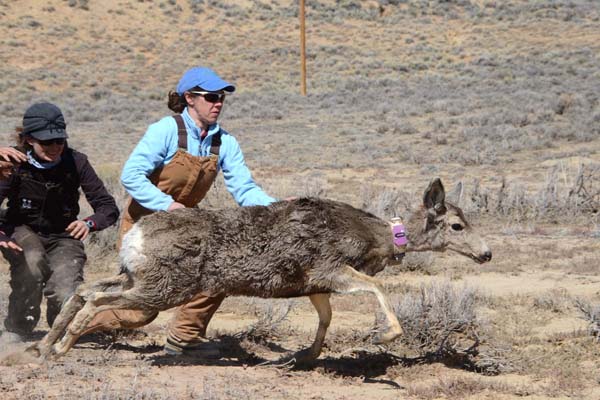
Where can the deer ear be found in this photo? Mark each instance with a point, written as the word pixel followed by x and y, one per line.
pixel 455 195
pixel 434 197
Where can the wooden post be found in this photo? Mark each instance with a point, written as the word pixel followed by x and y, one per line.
pixel 302 50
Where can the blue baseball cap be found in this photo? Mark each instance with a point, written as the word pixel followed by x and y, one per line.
pixel 205 78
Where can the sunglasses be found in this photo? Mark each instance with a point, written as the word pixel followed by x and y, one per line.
pixel 211 97
pixel 50 142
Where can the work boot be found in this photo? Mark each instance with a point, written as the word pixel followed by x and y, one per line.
pixel 200 347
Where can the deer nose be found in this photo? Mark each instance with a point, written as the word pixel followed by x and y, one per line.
pixel 487 256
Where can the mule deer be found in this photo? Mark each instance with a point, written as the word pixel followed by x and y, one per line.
pixel 305 247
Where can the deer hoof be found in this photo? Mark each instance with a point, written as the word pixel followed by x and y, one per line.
pixel 300 358
pixel 305 356
pixel 55 352
pixel 34 350
pixel 388 336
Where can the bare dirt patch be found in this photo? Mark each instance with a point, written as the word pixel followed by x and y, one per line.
pixel 502 96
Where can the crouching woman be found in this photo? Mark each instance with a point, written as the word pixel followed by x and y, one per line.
pixel 40 233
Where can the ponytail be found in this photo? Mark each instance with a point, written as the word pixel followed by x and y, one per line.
pixel 176 102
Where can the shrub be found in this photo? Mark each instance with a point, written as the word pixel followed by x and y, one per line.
pixel 438 319
pixel 591 313
pixel 271 316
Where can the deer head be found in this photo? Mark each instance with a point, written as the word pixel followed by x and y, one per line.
pixel 440 226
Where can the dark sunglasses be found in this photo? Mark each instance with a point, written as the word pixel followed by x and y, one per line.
pixel 60 141
pixel 211 97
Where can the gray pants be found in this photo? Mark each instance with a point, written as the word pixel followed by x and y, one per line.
pixel 49 266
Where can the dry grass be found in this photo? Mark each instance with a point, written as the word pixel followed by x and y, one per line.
pixel 501 96
pixel 591 313
pixel 462 388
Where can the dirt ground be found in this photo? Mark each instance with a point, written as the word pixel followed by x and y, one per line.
pixel 483 92
pixel 136 367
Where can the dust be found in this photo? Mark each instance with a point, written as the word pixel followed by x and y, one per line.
pixel 12 353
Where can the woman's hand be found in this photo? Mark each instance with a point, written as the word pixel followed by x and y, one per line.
pixel 11 154
pixel 8 158
pixel 8 243
pixel 174 206
pixel 78 230
pixel 6 169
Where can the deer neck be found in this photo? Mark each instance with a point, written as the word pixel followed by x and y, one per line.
pixel 419 239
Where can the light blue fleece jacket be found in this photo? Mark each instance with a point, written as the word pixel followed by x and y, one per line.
pixel 158 147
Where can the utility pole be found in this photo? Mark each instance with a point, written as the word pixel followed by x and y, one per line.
pixel 302 50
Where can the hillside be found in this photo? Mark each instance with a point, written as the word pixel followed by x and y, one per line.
pixel 503 96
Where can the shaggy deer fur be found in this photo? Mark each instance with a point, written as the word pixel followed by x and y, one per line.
pixel 305 247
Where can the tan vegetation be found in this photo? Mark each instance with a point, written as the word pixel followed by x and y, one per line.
pixel 503 96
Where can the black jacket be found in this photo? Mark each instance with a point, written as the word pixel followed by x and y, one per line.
pixel 47 200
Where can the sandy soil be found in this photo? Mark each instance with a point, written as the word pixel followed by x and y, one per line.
pixel 526 296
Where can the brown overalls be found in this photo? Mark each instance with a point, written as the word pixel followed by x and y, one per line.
pixel 187 179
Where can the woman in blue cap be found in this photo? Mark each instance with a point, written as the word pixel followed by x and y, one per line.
pixel 173 166
pixel 40 232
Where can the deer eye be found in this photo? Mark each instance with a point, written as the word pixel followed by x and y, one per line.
pixel 457 227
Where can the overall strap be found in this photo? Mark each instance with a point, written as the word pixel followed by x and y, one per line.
pixel 181 132
pixel 182 136
pixel 215 144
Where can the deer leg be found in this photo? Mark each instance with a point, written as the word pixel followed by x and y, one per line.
pixel 350 280
pixel 44 347
pixel 96 302
pixel 70 309
pixel 321 303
